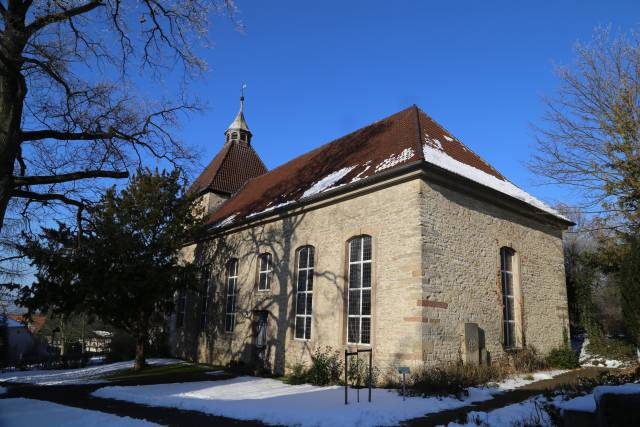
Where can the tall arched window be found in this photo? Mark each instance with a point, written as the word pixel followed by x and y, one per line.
pixel 232 289
pixel 359 297
pixel 507 277
pixel 304 292
pixel 206 292
pixel 264 272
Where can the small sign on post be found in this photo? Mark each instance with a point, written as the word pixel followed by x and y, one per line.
pixel 404 370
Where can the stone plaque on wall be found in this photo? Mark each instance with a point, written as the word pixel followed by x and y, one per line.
pixel 471 344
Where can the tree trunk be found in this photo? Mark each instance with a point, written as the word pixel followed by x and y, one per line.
pixel 13 90
pixel 141 346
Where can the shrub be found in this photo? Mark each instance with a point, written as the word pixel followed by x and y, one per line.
pixel 326 367
pixel 527 359
pixel 562 357
pixel 358 373
pixel 451 379
pixel 298 375
pixel 611 348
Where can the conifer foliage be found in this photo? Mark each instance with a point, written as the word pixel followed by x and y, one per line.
pixel 123 265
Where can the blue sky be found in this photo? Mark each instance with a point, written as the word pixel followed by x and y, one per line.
pixel 318 70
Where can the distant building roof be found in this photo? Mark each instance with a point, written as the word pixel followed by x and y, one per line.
pixel 405 138
pixel 35 324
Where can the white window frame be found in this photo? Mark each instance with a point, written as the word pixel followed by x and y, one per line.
pixel 266 272
pixel 509 326
pixel 231 292
pixel 205 274
pixel 309 270
pixel 361 262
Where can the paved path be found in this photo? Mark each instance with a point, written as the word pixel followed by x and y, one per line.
pixel 518 395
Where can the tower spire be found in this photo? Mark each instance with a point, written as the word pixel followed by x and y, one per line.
pixel 238 130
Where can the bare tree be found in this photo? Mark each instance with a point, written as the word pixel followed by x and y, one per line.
pixel 591 138
pixel 72 106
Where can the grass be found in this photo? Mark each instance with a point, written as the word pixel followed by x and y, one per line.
pixel 153 372
pixel 611 348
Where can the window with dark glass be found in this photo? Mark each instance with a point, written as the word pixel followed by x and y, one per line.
pixel 508 300
pixel 359 296
pixel 206 292
pixel 264 272
pixel 232 289
pixel 304 292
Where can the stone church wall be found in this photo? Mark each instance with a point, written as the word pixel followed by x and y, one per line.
pixel 435 267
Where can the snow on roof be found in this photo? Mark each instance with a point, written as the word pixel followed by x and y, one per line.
pixel 443 160
pixel 407 137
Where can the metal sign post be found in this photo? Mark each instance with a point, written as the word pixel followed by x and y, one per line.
pixel 346 372
pixel 404 370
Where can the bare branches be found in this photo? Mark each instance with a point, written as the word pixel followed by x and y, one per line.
pixel 591 138
pixel 64 15
pixel 45 198
pixel 39 180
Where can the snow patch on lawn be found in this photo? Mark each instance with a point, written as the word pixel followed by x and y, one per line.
pixel 517 414
pixel 327 182
pixel 443 160
pixel 274 402
pixel 87 375
pixel 524 379
pixel 20 412
pixel 588 359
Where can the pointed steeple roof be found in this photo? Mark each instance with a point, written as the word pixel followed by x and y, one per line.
pixel 235 164
pixel 239 123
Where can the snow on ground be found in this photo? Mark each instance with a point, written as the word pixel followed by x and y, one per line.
pixel 274 402
pixel 516 414
pixel 524 379
pixel 21 412
pixel 629 388
pixel 443 160
pixel 584 403
pixel 588 359
pixel 85 375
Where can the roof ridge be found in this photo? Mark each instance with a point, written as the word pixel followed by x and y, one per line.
pixel 504 178
pixel 339 138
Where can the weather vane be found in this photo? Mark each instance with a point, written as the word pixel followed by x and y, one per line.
pixel 242 88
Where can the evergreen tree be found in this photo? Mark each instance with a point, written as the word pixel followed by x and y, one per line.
pixel 124 266
pixel 629 277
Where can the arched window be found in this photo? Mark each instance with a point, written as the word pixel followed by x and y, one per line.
pixel 507 277
pixel 264 272
pixel 232 289
pixel 359 297
pixel 304 292
pixel 234 135
pixel 206 292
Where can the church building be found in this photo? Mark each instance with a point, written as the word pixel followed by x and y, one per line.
pixel 396 237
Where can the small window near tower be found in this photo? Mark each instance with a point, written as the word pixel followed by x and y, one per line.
pixel 234 135
pixel 243 136
pixel 227 137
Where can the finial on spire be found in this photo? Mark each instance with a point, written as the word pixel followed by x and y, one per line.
pixel 238 129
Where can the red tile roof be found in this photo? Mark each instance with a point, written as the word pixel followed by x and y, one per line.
pixel 382 146
pixel 230 169
pixel 35 324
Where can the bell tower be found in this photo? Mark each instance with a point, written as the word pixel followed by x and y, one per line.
pixel 238 130
pixel 235 164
